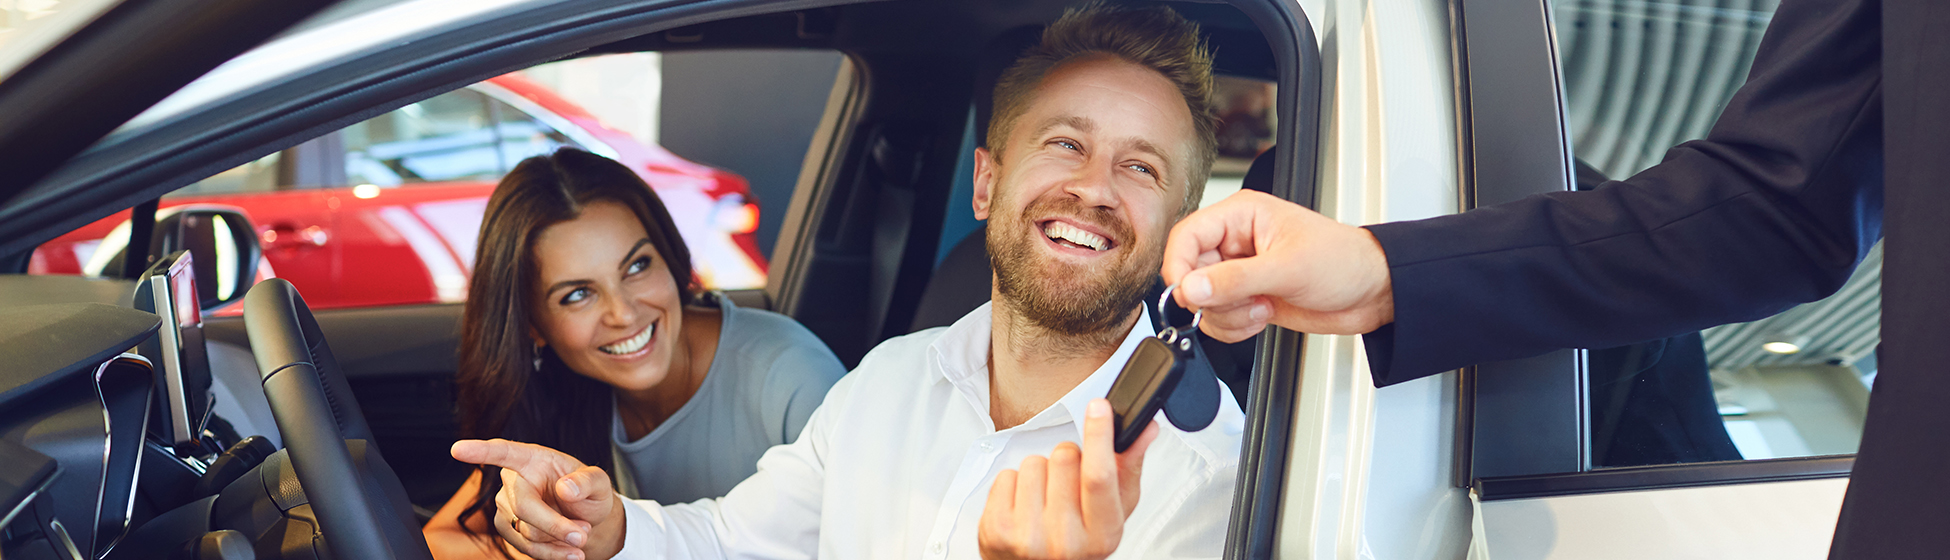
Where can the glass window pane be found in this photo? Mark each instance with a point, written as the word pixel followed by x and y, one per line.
pixel 1642 76
pixel 522 136
pixel 444 138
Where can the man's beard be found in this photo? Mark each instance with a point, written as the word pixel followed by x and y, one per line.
pixel 1066 298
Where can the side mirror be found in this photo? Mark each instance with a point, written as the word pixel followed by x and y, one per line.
pixel 222 244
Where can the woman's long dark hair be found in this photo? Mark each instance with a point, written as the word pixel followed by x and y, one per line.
pixel 500 392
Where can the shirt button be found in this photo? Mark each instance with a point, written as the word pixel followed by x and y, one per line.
pixel 987 447
pixel 936 549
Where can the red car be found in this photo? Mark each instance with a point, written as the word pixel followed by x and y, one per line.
pixel 387 211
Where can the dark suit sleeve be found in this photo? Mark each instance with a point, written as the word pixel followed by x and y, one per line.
pixel 1773 208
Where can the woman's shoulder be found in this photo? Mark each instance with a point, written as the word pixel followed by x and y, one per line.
pixel 763 340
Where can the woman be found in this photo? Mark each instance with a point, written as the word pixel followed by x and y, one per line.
pixel 584 332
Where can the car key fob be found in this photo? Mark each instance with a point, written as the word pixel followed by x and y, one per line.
pixel 1147 380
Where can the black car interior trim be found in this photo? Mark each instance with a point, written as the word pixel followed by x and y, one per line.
pixel 41 345
pixel 1657 477
pixel 131 56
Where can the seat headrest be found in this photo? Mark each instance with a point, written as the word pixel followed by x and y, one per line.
pixel 1259 177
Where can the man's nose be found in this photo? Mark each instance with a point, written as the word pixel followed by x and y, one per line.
pixel 1092 185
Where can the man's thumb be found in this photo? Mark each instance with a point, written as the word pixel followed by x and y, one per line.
pixel 1226 283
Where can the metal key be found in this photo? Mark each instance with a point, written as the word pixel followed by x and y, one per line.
pixel 1148 378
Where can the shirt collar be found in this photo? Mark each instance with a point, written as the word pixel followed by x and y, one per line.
pixel 961 358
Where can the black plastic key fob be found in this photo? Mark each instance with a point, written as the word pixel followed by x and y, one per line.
pixel 1146 382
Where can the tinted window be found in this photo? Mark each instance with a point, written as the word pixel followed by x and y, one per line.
pixel 1639 78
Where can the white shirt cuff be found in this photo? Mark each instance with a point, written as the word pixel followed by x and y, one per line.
pixel 643 529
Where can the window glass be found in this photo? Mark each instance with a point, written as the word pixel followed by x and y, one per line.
pixel 388 211
pixel 1643 76
pixel 444 138
pixel 521 136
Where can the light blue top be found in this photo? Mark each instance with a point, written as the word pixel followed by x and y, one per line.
pixel 766 377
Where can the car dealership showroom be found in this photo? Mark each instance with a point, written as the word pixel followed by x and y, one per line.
pixel 1242 279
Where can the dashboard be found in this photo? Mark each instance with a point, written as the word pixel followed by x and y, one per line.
pixel 103 408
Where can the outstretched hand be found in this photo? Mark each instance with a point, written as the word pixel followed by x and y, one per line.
pixel 1253 259
pixel 551 506
pixel 1071 505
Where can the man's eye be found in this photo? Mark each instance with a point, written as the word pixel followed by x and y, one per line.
pixel 575 295
pixel 639 265
pixel 1142 168
pixel 1067 145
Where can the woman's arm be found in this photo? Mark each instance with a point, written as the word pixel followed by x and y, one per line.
pixel 450 542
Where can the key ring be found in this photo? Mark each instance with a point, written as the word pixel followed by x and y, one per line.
pixel 1171 333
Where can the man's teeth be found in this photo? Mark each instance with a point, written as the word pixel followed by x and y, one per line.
pixel 1059 231
pixel 634 344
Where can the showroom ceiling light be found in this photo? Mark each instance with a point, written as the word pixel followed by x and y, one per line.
pixel 1784 344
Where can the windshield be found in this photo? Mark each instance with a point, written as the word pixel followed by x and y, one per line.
pixel 29 28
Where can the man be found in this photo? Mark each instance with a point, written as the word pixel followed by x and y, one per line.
pixel 1773 208
pixel 1102 139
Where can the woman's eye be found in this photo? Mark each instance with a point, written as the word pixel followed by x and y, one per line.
pixel 639 265
pixel 575 295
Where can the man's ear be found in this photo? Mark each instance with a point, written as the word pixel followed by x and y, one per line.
pixel 984 182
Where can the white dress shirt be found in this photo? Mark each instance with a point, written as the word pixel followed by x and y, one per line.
pixel 897 463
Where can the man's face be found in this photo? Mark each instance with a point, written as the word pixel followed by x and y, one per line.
pixel 1091 177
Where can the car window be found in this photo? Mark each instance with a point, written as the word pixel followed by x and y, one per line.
pixel 388 211
pixel 1640 77
pixel 448 137
pixel 520 136
pixel 1246 125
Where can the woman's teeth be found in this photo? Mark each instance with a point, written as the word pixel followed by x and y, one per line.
pixel 634 344
pixel 1059 231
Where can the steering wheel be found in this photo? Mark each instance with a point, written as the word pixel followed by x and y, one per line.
pixel 354 499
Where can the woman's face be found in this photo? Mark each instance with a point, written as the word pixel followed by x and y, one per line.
pixel 605 301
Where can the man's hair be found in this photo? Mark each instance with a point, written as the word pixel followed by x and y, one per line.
pixel 1156 38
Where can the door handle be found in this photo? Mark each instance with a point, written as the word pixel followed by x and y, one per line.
pixel 288 236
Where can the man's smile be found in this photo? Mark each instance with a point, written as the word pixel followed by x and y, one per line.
pixel 1074 237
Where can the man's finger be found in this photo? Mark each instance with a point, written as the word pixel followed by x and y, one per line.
pixel 533 510
pixel 1197 239
pixel 1229 283
pixel 585 494
pixel 1236 322
pixel 1032 480
pixel 515 539
pixel 1064 498
pixel 1001 507
pixel 1102 504
pixel 1130 467
pixel 536 463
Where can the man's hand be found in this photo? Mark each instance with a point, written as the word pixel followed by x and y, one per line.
pixel 1071 505
pixel 1252 259
pixel 551 506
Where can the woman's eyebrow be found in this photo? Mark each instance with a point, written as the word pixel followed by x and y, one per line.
pixel 564 284
pixel 632 252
